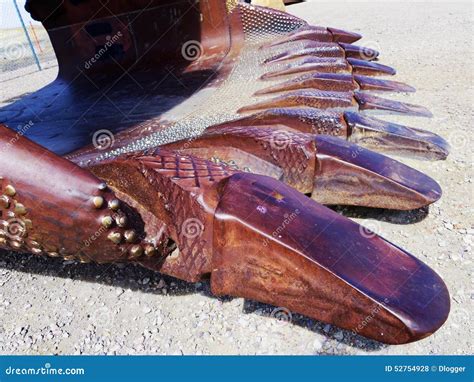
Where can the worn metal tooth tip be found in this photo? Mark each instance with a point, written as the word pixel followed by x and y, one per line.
pixel 107 221
pixel 150 251
pixel 98 201
pixel 121 221
pixel 103 186
pixel 115 237
pixel 136 251
pixel 3 241
pixel 130 236
pixel 36 251
pixel 340 35
pixel 10 190
pixel 114 204
pixel 4 201
pixel 20 209
pixel 53 254
pixel 69 257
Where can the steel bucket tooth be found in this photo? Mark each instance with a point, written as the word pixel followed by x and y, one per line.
pixel 319 34
pixel 331 170
pixel 348 100
pixel 324 50
pixel 364 177
pixel 339 82
pixel 396 139
pixel 109 162
pixel 369 132
pixel 307 267
pixel 273 245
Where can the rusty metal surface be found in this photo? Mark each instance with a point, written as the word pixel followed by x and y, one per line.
pixel 188 100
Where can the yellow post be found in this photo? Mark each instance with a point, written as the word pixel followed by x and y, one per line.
pixel 277 4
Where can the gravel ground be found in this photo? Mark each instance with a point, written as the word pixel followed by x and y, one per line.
pixel 62 307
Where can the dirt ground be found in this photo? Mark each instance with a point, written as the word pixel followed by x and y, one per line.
pixel 62 307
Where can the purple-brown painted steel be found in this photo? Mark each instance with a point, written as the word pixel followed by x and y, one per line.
pixel 162 204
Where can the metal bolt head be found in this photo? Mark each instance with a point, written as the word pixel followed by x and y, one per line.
pixel 136 251
pixel 115 237
pixel 150 251
pixel 121 221
pixel 20 209
pixel 107 221
pixel 114 204
pixel 10 190
pixel 98 201
pixel 130 236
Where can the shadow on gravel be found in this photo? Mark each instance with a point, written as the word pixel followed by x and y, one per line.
pixel 335 340
pixel 131 276
pixel 391 216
